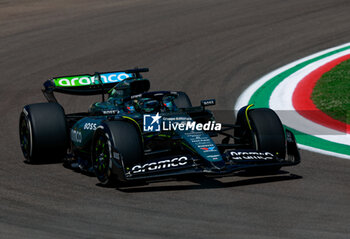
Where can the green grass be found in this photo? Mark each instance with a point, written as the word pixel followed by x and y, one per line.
pixel 332 92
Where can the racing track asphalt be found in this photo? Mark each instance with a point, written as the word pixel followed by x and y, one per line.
pixel 207 48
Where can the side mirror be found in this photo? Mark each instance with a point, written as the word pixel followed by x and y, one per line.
pixel 207 102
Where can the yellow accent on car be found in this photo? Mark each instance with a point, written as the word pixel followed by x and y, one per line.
pixel 246 115
pixel 190 148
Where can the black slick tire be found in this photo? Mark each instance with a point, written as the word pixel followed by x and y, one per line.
pixel 119 141
pixel 43 132
pixel 268 133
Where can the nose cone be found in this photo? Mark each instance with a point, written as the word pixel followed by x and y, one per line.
pixel 218 165
pixel 204 146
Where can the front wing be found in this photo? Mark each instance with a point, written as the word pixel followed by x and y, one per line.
pixel 233 161
pixel 169 168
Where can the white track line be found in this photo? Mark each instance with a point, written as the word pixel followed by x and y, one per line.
pixel 281 101
pixel 244 98
pixel 298 120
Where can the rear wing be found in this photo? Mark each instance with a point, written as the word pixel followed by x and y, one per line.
pixel 99 83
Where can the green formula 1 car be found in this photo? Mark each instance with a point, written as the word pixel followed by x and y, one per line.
pixel 137 135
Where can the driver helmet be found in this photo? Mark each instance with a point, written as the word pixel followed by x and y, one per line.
pixel 130 107
pixel 149 105
pixel 168 102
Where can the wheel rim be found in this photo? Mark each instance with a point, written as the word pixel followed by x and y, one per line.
pixel 25 137
pixel 101 158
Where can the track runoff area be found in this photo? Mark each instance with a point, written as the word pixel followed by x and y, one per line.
pixel 288 90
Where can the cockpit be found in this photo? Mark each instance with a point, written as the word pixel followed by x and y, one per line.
pixel 149 104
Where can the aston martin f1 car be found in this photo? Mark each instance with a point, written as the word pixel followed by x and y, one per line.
pixel 136 134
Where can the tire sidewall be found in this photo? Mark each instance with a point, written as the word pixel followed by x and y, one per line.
pixel 267 137
pixel 48 132
pixel 104 132
pixel 117 152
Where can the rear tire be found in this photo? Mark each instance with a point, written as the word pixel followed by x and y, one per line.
pixel 118 141
pixel 43 132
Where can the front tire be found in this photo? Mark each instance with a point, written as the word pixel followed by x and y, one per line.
pixel 262 129
pixel 116 146
pixel 268 135
pixel 268 131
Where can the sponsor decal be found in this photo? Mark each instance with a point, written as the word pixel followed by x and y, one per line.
pixel 208 102
pixel 155 123
pixel 90 80
pixel 110 112
pixel 90 126
pixel 208 148
pixel 251 155
pixel 214 157
pixel 163 164
pixel 135 96
pixel 76 136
